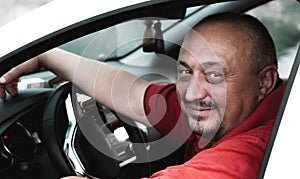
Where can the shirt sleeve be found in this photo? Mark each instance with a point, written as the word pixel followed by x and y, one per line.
pixel 163 111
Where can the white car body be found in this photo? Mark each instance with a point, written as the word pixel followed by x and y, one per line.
pixel 51 17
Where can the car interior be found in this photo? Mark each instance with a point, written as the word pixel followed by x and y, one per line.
pixel 53 129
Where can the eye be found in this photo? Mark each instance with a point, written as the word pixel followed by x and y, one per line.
pixel 214 77
pixel 185 72
pixel 184 75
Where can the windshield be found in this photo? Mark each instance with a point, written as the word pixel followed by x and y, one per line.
pixel 126 36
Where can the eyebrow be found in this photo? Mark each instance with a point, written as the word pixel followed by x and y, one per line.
pixel 183 63
pixel 212 64
pixel 204 65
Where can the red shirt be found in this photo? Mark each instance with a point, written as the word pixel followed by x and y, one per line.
pixel 237 155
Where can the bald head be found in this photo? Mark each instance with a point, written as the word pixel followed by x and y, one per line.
pixel 246 28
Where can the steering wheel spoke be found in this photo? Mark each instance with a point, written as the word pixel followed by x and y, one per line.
pixel 96 141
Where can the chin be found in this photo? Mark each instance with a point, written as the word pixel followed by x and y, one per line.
pixel 205 127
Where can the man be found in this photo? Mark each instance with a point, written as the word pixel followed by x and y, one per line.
pixel 228 88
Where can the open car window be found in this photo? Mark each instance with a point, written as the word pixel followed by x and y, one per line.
pixel 283 23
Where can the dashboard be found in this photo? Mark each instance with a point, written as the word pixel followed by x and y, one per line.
pixel 22 150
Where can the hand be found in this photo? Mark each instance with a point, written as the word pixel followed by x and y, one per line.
pixel 9 81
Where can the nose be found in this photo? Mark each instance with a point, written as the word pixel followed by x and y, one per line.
pixel 197 89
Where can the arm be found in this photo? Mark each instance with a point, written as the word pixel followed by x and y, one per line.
pixel 112 87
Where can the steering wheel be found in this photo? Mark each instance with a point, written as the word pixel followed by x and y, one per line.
pixel 92 149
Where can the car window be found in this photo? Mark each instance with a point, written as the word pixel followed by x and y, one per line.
pixel 282 18
pixel 118 40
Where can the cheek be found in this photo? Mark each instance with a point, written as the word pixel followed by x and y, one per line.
pixel 229 107
pixel 233 101
pixel 181 88
pixel 238 106
pixel 219 95
pixel 242 94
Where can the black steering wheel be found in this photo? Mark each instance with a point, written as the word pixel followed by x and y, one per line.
pixel 92 145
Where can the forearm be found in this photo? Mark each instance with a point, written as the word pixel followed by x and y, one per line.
pixel 112 87
pixel 60 62
pixel 125 92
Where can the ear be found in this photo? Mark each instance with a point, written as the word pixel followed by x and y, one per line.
pixel 268 78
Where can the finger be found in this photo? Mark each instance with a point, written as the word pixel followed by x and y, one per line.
pixel 15 85
pixel 2 80
pixel 25 68
pixel 2 93
pixel 11 75
pixel 12 89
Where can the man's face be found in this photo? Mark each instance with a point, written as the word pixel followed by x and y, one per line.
pixel 215 86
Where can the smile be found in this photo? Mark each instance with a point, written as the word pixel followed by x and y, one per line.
pixel 199 112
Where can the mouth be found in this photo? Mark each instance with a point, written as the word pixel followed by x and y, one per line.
pixel 198 112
